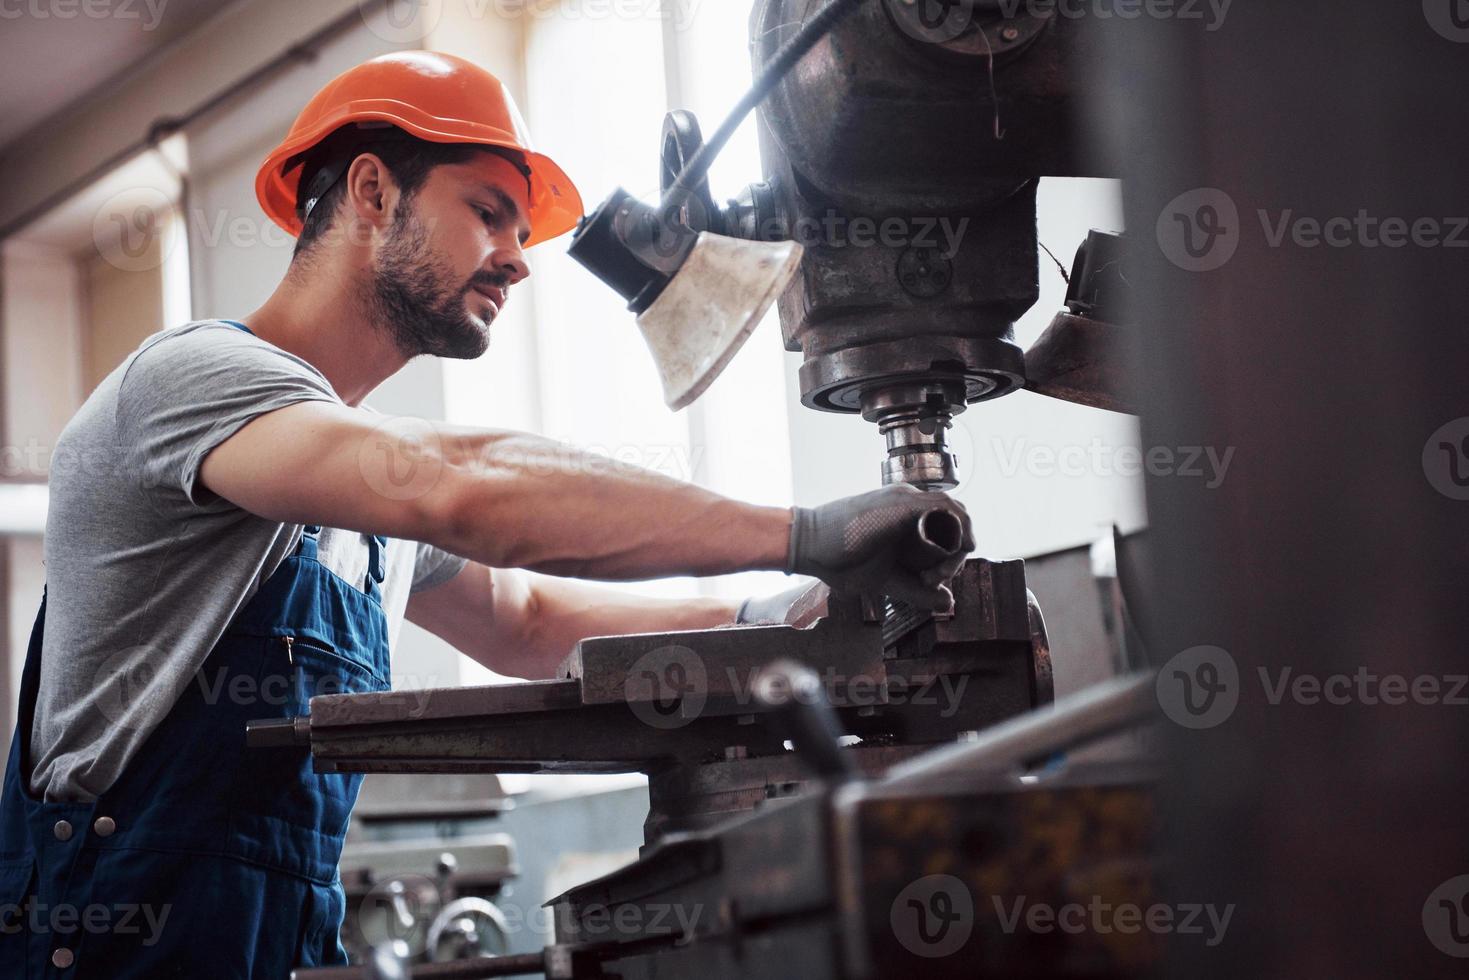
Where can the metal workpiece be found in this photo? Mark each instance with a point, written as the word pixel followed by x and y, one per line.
pixel 716 667
pixel 915 419
pixel 939 535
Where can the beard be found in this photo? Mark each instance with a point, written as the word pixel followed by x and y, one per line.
pixel 415 299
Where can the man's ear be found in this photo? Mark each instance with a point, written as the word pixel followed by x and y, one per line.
pixel 371 191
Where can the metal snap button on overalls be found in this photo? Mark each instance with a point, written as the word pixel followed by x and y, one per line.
pixel 62 958
pixel 62 830
pixel 104 826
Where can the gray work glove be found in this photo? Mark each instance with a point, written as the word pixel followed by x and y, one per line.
pixel 796 606
pixel 871 544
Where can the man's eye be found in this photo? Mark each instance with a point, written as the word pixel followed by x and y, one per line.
pixel 487 216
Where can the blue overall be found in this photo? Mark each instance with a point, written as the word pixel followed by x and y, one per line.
pixel 206 860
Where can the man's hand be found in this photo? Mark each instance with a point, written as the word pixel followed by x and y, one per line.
pixel 799 606
pixel 872 543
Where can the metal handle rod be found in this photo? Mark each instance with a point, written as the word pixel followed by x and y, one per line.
pixel 1082 717
pixel 794 694
pixel 278 733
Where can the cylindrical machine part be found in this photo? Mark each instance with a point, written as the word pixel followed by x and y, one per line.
pixel 915 418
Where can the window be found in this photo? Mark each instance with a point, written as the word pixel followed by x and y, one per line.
pixel 566 359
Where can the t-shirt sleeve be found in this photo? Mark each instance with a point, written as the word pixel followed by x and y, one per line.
pixel 434 566
pixel 186 393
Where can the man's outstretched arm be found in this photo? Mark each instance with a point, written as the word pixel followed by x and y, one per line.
pixel 512 500
pixel 522 624
pixel 503 499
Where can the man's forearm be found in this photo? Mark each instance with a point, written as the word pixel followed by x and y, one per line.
pixel 560 613
pixel 518 501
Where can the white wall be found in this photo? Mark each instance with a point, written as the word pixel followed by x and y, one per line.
pixel 41 329
pixel 43 316
pixel 238 255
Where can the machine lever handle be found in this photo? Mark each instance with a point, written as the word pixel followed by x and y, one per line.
pixel 278 733
pixel 793 693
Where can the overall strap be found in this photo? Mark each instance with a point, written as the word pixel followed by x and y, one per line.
pixel 377 549
pixel 310 540
pixel 30 690
pixel 376 564
pixel 239 326
pixel 377 546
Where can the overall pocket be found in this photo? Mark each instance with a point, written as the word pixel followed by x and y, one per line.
pixel 280 786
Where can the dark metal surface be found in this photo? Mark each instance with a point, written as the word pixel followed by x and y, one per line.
pixel 792 697
pixel 1336 545
pixel 821 885
pixel 611 669
pixel 1033 738
pixel 1084 356
pixel 1083 840
pixel 1081 360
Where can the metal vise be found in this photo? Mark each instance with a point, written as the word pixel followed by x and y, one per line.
pixel 678 706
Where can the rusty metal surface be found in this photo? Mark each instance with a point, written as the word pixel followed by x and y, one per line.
pixel 1078 359
pixel 609 668
pixel 1336 545
pixel 808 887
pixel 1050 846
pixel 715 791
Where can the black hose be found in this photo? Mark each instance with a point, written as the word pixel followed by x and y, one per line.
pixel 785 59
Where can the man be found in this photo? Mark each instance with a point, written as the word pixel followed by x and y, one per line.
pixel 252 543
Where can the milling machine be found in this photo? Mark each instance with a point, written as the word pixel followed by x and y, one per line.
pixel 821 836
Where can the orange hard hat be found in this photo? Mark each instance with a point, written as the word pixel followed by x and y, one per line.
pixel 432 96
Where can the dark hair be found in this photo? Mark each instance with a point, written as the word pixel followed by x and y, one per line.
pixel 408 159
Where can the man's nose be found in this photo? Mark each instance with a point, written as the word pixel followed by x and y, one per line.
pixel 510 262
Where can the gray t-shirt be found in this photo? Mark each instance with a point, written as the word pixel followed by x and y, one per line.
pixel 145 568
